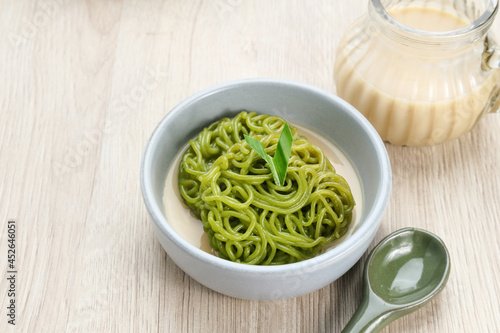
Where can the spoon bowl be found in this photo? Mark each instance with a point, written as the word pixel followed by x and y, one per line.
pixel 402 273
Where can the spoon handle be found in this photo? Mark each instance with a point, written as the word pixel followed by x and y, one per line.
pixel 371 316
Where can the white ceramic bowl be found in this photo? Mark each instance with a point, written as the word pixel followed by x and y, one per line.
pixel 298 103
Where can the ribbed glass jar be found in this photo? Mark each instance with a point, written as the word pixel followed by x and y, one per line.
pixel 422 72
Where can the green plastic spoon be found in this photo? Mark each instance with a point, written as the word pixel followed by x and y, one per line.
pixel 402 273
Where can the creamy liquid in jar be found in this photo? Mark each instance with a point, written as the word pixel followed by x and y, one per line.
pixel 413 104
pixel 190 227
pixel 428 19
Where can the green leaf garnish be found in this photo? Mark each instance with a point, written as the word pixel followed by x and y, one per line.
pixel 279 163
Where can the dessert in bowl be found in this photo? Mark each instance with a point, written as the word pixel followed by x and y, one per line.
pixel 358 154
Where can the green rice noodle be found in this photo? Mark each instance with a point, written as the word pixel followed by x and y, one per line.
pixel 248 218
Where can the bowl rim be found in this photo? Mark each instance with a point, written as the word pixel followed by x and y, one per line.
pixel 359 236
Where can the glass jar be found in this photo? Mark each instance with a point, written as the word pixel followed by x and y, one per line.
pixel 422 72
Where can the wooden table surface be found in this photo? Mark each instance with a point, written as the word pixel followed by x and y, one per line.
pixel 83 85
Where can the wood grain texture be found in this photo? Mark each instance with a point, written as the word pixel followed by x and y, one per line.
pixel 83 85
